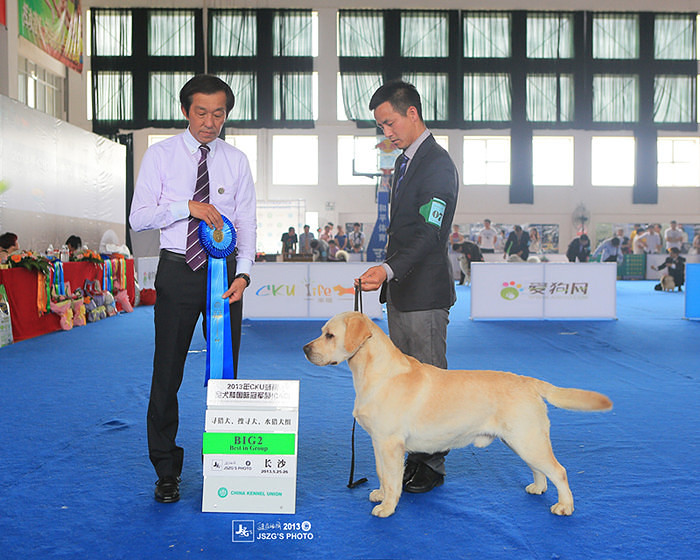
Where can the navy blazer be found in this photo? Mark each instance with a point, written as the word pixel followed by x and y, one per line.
pixel 420 220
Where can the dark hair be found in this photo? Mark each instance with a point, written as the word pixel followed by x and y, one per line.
pixel 74 242
pixel 584 237
pixel 208 84
pixel 314 243
pixel 615 241
pixel 400 95
pixel 7 240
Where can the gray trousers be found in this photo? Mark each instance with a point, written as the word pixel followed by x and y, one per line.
pixel 423 335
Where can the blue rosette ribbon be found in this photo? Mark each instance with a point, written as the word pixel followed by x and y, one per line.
pixel 218 244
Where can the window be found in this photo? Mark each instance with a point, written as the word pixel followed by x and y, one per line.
pixel 112 31
pixel 615 98
pixel 486 160
pixel 673 99
pixel 678 162
pixel 40 89
pixel 615 36
pixel 234 33
pixel 164 95
pixel 424 34
pixel 114 96
pixel 360 33
pixel 354 92
pixel 674 37
pixel 550 98
pixel 360 152
pixel 550 36
pixel 171 33
pixel 294 160
pixel 295 33
pixel 487 97
pixel 295 96
pixel 612 161
pixel 245 90
pixel 248 144
pixel 553 160
pixel 487 35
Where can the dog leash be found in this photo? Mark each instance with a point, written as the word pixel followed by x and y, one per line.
pixel 351 483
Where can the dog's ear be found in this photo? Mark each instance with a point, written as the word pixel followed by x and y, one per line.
pixel 356 332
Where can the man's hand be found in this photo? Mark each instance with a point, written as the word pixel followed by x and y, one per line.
pixel 207 213
pixel 235 292
pixel 372 279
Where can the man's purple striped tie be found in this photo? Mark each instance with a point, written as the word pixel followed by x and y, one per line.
pixel 194 254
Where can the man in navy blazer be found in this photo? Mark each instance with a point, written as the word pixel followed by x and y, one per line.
pixel 416 279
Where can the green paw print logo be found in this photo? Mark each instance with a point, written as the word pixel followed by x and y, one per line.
pixel 222 492
pixel 511 290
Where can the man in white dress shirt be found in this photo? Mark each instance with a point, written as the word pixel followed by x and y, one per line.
pixel 163 199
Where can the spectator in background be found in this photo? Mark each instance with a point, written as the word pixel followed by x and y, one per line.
pixel 74 244
pixel 516 249
pixel 289 242
pixel 327 233
pixel 319 249
pixel 455 236
pixel 487 238
pixel 357 240
pixel 675 264
pixel 673 236
pixel 332 250
pixel 579 249
pixel 535 246
pixel 610 251
pixel 625 246
pixel 341 239
pixel 9 243
pixel 639 243
pixel 695 249
pixel 305 241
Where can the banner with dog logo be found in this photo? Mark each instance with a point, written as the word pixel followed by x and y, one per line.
pixel 543 291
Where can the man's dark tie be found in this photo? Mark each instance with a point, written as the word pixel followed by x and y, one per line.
pixel 194 254
pixel 403 159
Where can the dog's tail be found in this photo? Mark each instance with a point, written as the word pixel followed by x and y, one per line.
pixel 573 399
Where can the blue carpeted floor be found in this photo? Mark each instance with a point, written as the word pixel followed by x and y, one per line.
pixel 75 481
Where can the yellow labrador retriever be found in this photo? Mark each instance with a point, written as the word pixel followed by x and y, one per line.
pixel 406 405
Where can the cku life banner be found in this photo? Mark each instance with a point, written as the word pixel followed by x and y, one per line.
pixel 54 27
pixel 300 290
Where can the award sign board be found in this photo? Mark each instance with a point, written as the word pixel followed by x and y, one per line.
pixel 250 446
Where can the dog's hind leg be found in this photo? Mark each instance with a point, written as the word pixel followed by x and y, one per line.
pixel 536 450
pixel 389 456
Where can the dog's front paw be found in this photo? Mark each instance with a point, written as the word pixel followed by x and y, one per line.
pixel 376 495
pixel 535 488
pixel 383 510
pixel 562 509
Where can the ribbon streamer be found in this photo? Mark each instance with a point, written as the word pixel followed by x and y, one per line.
pixel 58 283
pixel 218 244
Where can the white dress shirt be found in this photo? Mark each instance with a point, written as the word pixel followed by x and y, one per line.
pixel 166 182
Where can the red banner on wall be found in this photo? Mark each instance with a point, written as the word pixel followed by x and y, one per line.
pixel 3 17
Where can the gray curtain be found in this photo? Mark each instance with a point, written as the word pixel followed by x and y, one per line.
pixel 673 99
pixel 292 96
pixel 360 33
pixel 164 95
pixel 674 37
pixel 245 88
pixel 292 33
pixel 550 97
pixel 487 97
pixel 433 93
pixel 114 96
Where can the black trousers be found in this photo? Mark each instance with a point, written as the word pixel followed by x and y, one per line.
pixel 181 300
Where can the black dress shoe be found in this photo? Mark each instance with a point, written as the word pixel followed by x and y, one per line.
pixel 168 489
pixel 409 469
pixel 424 480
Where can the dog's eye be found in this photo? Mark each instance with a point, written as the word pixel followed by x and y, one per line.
pixel 329 335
